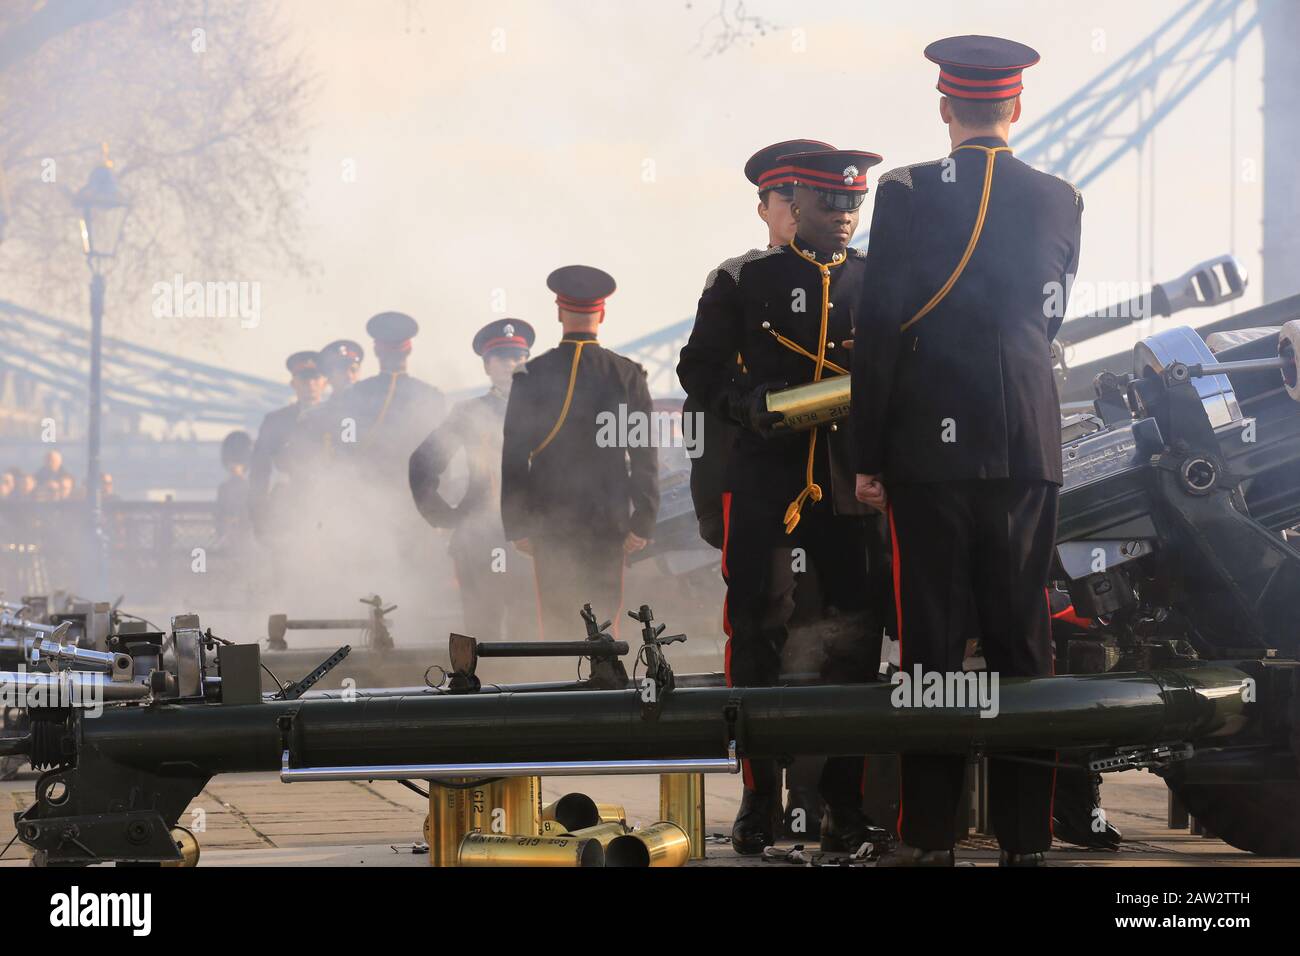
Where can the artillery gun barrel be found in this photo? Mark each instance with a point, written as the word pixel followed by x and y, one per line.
pixel 1085 711
pixel 83 688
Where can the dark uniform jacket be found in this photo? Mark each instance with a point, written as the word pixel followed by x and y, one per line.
pixel 393 414
pixel 709 470
pixel 475 426
pixel 777 287
pixel 574 485
pixel 274 432
pixel 977 369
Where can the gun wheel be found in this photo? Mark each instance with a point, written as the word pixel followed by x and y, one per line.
pixel 1261 818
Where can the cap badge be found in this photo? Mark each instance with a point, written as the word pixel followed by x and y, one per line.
pixel 850 174
pixel 508 330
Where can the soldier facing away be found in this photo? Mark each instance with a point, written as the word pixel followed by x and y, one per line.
pixel 575 500
pixel 957 424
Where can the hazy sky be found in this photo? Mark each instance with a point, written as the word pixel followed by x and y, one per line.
pixel 492 143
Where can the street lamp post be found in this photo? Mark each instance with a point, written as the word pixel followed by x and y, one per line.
pixel 102 208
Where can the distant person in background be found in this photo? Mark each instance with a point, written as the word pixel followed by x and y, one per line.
pixel 26 485
pixel 52 470
pixel 264 496
pixel 312 440
pixel 68 490
pixel 233 526
pixel 382 419
pixel 8 485
pixel 496 596
pixel 106 492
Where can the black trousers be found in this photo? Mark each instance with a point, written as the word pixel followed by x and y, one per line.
pixel 759 563
pixel 496 590
pixel 573 570
pixel 987 545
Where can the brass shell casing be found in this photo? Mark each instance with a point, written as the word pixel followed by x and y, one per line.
pixel 681 801
pixel 450 818
pixel 577 811
pixel 490 849
pixel 807 406
pixel 602 833
pixel 511 805
pixel 660 845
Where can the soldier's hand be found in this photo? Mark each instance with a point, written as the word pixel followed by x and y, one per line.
pixel 633 543
pixel 754 414
pixel 869 490
pixel 846 344
pixel 523 546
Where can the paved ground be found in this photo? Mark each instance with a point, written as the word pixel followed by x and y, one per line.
pixel 253 819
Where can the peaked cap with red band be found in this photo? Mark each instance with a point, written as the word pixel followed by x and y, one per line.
pixel 504 334
pixel 341 352
pixel 980 68
pixel 766 170
pixel 392 331
pixel 581 288
pixel 840 175
pixel 303 363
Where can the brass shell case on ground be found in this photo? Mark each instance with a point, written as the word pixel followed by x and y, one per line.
pixel 509 806
pixel 450 818
pixel 681 801
pixel 577 811
pixel 659 845
pixel 490 849
pixel 602 833
pixel 807 406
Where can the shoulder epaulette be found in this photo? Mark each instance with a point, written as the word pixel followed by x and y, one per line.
pixel 903 174
pixel 732 267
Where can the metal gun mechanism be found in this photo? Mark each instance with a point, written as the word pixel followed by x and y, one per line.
pixel 607 671
pixel 659 680
pixel 1142 758
pixel 295 689
pixel 373 627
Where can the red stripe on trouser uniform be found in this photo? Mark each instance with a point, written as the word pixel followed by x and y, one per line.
pixel 1056 755
pixel 747 774
pixel 898 634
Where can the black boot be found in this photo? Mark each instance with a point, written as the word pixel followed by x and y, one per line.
pixel 904 855
pixel 845 828
pixel 759 819
pixel 1020 859
pixel 1077 816
pixel 803 814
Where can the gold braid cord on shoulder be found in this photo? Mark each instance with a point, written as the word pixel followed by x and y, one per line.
pixel 811 488
pixel 568 395
pixel 991 152
pixel 383 410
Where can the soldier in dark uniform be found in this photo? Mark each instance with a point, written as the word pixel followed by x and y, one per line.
pixel 575 493
pixel 775 199
pixel 265 502
pixel 775 188
pixel 788 309
pixel 313 439
pixel 496 599
pixel 341 362
pixel 380 420
pixel 956 421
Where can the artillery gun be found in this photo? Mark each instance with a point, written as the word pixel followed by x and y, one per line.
pixel 1181 486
